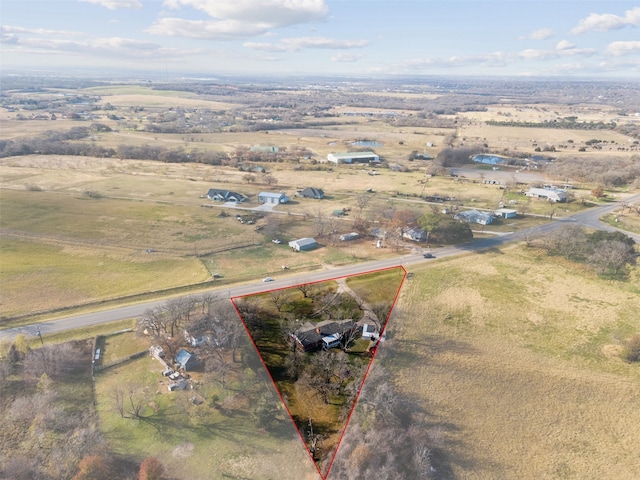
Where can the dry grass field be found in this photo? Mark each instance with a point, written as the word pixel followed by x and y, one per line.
pixel 517 358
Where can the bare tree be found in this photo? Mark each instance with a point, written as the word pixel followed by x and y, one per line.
pixel 279 298
pixel 270 180
pixel 362 201
pixel 610 256
pixel 319 222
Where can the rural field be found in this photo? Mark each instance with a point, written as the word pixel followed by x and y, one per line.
pixel 512 358
pixel 516 357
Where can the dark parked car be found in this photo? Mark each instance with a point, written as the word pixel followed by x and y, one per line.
pixel 429 255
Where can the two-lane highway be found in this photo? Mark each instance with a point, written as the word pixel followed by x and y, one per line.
pixel 588 218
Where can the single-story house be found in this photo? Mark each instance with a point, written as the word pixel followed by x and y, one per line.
pixel 225 195
pixel 322 335
pixel 349 236
pixel 550 194
pixel 489 159
pixel 353 157
pixel 474 216
pixel 312 192
pixel 414 234
pixel 195 340
pixel 506 213
pixel 187 360
pixel 303 244
pixel 270 197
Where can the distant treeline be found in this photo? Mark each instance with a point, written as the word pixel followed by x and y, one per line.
pixel 68 143
pixel 562 124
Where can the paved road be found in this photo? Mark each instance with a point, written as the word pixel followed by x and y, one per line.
pixel 588 218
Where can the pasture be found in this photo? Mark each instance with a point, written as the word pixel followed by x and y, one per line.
pixel 517 357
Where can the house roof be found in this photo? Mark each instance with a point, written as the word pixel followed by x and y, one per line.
pixel 312 191
pixel 271 194
pixel 303 242
pixel 354 155
pixel 223 193
pixel 185 358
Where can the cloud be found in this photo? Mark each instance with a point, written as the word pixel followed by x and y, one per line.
pixel 238 18
pixel 618 49
pixel 296 44
pixel 608 21
pixel 565 45
pixel 564 48
pixel 208 30
pixel 540 34
pixel 343 57
pixel 13 29
pixel 115 4
pixel 51 42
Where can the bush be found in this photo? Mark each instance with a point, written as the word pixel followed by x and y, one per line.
pixel 151 469
pixel 632 350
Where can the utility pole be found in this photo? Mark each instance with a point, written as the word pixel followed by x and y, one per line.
pixel 39 334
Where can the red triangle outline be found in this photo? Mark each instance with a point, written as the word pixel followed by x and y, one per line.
pixel 364 377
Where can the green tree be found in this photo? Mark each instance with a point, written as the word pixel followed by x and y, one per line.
pixel 430 222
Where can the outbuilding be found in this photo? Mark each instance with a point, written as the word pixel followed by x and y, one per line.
pixel 303 244
pixel 275 198
pixel 353 157
pixel 186 360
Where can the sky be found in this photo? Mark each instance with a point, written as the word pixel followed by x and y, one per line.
pixel 360 38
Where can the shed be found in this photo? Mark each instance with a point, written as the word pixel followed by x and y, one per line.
pixel 187 360
pixel 353 157
pixel 303 244
pixel 506 213
pixel 349 236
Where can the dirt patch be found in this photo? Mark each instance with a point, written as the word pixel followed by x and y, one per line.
pixel 184 450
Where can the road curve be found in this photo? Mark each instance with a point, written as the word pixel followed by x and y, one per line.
pixel 588 218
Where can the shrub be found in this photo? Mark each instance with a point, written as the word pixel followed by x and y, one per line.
pixel 151 469
pixel 632 350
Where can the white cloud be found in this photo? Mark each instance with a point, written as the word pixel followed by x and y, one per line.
pixel 13 29
pixel 565 45
pixel 295 44
pixel 266 47
pixel 541 34
pixel 115 4
pixel 618 49
pixel 239 18
pixel 211 30
pixel 608 21
pixel 343 57
pixel 70 43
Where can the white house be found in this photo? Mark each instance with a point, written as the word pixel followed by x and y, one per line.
pixel 414 234
pixel 474 216
pixel 269 197
pixel 353 157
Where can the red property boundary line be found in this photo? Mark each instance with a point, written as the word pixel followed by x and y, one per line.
pixel 375 351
